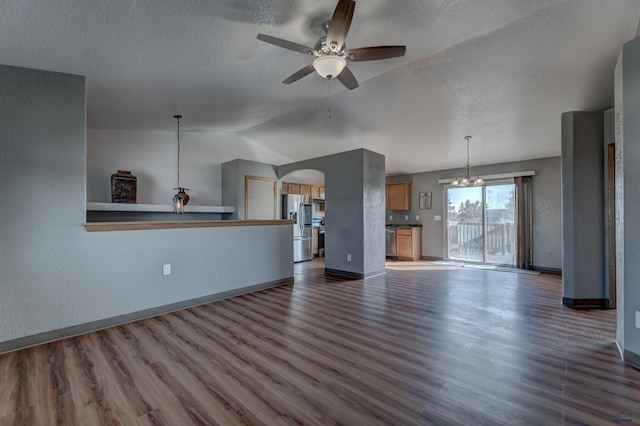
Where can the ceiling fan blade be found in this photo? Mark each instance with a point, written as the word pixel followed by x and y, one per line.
pixel 286 44
pixel 374 53
pixel 347 78
pixel 299 74
pixel 339 24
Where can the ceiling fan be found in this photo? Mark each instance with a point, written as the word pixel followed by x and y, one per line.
pixel 330 51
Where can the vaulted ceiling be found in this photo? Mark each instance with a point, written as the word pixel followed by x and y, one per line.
pixel 502 71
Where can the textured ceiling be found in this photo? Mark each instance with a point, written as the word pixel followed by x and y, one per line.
pixel 500 70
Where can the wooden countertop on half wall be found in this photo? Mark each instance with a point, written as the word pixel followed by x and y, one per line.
pixel 140 226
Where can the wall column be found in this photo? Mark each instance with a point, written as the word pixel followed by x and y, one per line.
pixel 583 280
pixel 627 106
pixel 355 209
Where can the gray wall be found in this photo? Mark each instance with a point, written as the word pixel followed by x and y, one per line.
pixel 55 274
pixel 151 157
pixel 354 209
pixel 582 200
pixel 547 234
pixel 628 197
pixel 374 201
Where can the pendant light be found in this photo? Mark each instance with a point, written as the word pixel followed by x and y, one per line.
pixel 467 180
pixel 181 198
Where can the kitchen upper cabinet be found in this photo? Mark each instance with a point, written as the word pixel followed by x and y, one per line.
pixel 399 196
pixel 293 188
pixel 305 190
pixel 409 243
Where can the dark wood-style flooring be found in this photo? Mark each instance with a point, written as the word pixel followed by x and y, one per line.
pixel 419 345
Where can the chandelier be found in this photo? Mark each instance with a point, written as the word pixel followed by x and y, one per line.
pixel 467 180
pixel 181 198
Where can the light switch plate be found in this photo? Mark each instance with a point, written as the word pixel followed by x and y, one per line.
pixel 637 319
pixel 166 269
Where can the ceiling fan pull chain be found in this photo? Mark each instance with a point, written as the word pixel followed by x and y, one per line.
pixel 329 108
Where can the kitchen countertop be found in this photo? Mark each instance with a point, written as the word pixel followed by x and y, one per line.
pixel 403 225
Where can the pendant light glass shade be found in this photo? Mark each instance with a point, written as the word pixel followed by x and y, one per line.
pixel 178 205
pixel 467 180
pixel 180 200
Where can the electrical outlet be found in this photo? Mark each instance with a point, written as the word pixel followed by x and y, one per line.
pixel 637 319
pixel 406 217
pixel 348 257
pixel 166 269
pixel 417 217
pixel 390 217
pixel 437 218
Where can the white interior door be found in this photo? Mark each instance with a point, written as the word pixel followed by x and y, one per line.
pixel 260 198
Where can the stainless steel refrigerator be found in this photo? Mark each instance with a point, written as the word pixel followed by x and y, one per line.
pixel 298 208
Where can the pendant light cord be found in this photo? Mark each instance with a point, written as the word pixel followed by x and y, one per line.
pixel 178 117
pixel 468 168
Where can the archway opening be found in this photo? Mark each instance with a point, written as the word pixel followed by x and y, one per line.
pixel 303 201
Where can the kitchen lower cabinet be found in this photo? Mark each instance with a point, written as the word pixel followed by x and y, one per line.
pixel 409 243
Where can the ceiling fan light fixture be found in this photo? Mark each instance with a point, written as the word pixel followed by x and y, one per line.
pixel 332 51
pixel 329 66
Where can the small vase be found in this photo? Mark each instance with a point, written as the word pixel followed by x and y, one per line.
pixel 123 187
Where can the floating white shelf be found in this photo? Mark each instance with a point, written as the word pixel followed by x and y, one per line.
pixel 126 207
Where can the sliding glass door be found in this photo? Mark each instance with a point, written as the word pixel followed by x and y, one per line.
pixel 465 224
pixel 500 221
pixel 481 224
